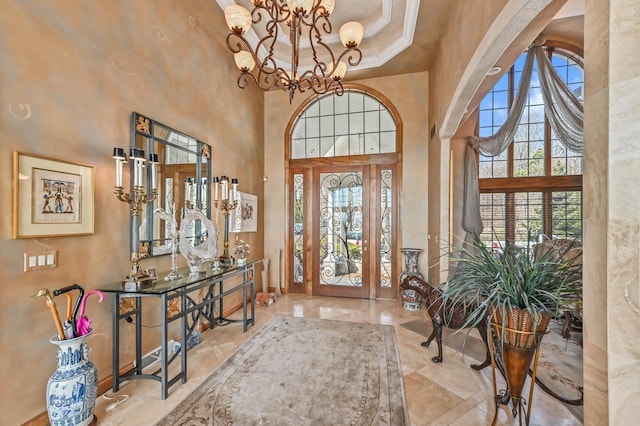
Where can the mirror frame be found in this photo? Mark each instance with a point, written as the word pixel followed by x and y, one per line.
pixel 142 126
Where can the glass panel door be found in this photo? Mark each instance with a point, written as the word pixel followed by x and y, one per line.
pixel 385 229
pixel 341 266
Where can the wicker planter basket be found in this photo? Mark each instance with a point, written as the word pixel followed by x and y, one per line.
pixel 518 329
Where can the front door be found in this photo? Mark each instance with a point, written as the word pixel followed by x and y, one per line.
pixel 343 235
pixel 340 232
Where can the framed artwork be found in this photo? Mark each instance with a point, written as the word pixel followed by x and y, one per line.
pixel 245 217
pixel 51 198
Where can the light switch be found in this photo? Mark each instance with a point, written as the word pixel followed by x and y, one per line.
pixel 41 260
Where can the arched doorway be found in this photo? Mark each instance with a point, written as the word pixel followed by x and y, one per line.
pixel 343 175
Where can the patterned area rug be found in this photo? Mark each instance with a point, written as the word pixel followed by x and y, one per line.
pixel 327 373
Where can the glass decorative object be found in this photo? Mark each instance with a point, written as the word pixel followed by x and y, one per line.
pixel 193 222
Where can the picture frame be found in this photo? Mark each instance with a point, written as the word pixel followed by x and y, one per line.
pixel 51 198
pixel 152 273
pixel 245 216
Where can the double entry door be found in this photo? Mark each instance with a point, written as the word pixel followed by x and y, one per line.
pixel 343 241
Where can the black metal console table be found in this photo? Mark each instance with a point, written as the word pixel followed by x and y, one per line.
pixel 207 303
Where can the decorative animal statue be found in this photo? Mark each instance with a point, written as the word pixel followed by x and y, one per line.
pixel 433 301
pixel 265 299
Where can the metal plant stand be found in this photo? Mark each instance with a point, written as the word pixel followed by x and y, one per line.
pixel 516 375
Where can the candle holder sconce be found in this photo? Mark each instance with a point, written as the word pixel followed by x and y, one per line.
pixel 137 198
pixel 228 202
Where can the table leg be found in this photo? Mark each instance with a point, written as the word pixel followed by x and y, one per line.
pixel 183 340
pixel 221 305
pixel 115 371
pixel 138 335
pixel 253 302
pixel 244 306
pixel 164 374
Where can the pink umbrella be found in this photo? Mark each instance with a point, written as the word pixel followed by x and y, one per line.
pixel 83 324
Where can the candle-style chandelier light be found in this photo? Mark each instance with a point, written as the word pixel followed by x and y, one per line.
pixel 305 19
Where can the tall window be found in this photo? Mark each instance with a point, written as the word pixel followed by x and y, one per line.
pixel 534 188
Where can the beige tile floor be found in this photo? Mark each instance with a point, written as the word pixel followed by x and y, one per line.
pixel 450 393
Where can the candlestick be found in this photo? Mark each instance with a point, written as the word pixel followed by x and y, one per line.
pixel 225 205
pixel 137 197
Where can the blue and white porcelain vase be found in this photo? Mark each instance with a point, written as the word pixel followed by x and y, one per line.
pixel 72 389
pixel 410 299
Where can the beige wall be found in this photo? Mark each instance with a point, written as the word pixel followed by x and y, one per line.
pixel 409 94
pixel 72 73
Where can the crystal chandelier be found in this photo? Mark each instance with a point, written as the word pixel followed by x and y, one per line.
pixel 305 19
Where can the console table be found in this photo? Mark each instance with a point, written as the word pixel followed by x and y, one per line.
pixel 187 300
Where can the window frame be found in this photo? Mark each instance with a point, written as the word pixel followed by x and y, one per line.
pixel 546 184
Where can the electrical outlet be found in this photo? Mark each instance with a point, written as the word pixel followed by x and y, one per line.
pixel 40 260
pixel 153 357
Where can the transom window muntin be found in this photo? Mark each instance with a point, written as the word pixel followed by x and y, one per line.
pixel 355 123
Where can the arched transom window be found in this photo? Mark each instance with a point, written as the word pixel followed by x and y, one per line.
pixel 352 124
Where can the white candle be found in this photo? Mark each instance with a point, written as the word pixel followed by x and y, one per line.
pixel 215 189
pixel 134 170
pixel 118 172
pixel 234 194
pixel 140 173
pixel 154 180
pixel 225 190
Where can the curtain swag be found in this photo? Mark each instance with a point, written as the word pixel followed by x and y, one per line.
pixel 563 110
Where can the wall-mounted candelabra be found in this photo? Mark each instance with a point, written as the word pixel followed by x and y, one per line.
pixel 227 202
pixel 137 199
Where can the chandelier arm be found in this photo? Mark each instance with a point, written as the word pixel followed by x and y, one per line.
pixel 264 81
pixel 318 85
pixel 326 24
pixel 267 81
pixel 320 16
pixel 352 55
pixel 329 84
pixel 243 79
pixel 269 40
pixel 328 51
pixel 236 42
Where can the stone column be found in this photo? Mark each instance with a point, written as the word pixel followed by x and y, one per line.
pixel 611 213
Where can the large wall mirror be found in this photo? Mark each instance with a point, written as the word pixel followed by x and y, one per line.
pixel 183 181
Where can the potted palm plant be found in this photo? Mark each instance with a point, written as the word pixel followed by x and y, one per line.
pixel 519 290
